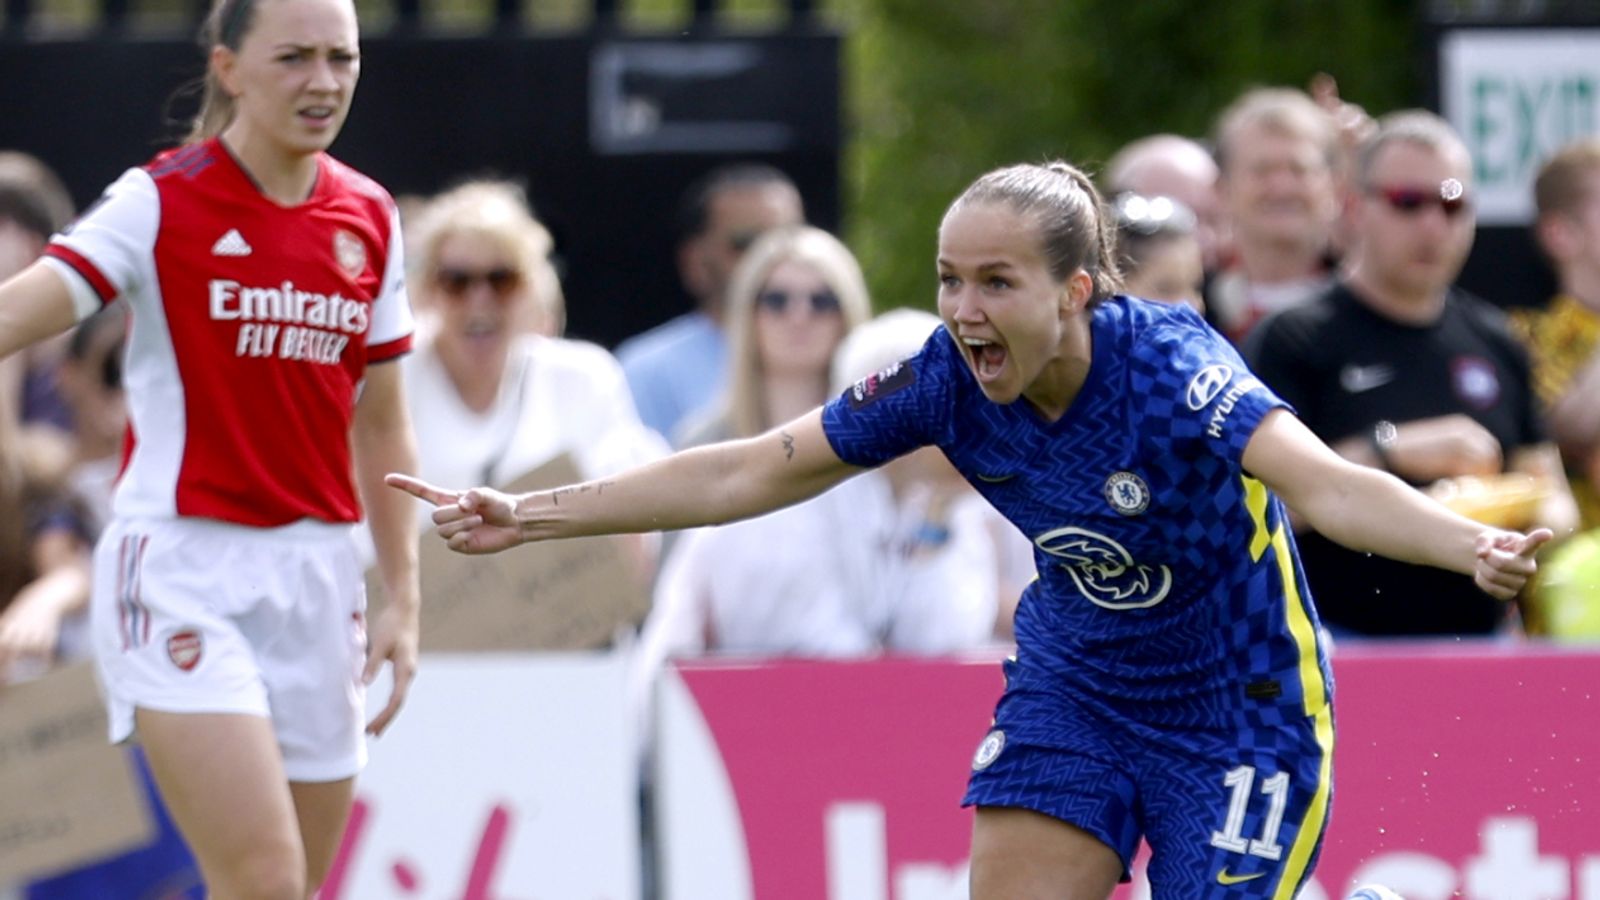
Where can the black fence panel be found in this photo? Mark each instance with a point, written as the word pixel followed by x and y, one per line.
pixel 605 130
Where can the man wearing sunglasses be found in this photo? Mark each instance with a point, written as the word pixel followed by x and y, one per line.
pixel 676 368
pixel 1397 369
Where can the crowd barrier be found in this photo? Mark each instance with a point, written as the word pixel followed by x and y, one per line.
pixel 1461 771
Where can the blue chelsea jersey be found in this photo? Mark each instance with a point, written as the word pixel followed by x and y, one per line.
pixel 1168 591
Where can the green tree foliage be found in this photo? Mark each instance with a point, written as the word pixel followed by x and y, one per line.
pixel 942 90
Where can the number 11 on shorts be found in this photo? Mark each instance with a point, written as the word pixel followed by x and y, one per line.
pixel 1240 780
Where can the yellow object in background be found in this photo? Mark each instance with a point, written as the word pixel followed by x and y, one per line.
pixel 1568 592
pixel 1507 500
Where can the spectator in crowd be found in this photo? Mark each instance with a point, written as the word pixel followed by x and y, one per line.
pixel 44 546
pixel 1157 249
pixel 1564 336
pixel 90 379
pixel 787 308
pixel 90 382
pixel 1398 370
pixel 1166 165
pixel 1564 341
pixel 500 395
pixel 791 300
pixel 71 482
pixel 676 368
pixel 1168 647
pixel 264 281
pixel 1277 151
pixel 34 204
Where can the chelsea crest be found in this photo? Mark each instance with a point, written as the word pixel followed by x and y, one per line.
pixel 1127 493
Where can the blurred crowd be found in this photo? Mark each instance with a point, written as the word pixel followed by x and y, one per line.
pixel 1321 240
pixel 1325 242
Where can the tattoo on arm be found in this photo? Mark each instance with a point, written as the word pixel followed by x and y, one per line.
pixel 556 495
pixel 788 445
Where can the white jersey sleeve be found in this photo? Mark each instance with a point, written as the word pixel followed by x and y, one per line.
pixel 109 249
pixel 391 309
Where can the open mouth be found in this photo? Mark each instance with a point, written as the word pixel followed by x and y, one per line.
pixel 987 357
pixel 317 115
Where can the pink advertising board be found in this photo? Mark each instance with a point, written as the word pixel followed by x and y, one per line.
pixel 1470 773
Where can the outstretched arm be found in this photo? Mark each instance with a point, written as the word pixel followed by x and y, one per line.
pixel 1370 510
pixel 702 486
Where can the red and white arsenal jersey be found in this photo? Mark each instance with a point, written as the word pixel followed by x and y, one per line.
pixel 253 325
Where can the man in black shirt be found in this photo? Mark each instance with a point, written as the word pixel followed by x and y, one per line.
pixel 1396 369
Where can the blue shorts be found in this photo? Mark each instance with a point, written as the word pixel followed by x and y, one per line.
pixel 1227 812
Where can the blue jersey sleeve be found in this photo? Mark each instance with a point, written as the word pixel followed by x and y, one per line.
pixel 897 410
pixel 1198 396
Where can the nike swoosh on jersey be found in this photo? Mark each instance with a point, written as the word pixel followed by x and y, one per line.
pixel 1225 877
pixel 995 479
pixel 1359 379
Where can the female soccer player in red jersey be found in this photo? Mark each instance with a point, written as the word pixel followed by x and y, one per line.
pixel 265 283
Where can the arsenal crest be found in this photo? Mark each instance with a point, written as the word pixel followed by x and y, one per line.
pixel 350 252
pixel 184 649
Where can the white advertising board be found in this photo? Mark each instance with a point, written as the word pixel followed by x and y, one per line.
pixel 506 776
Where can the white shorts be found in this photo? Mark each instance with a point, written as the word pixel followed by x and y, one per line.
pixel 200 616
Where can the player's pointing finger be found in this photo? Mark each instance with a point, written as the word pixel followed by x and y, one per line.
pixel 420 489
pixel 1534 540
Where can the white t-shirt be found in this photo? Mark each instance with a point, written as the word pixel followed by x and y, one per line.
pixel 556 396
pixel 839 575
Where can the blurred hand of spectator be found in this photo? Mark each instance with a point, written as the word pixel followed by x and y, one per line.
pixel 1443 447
pixel 1351 119
pixel 30 625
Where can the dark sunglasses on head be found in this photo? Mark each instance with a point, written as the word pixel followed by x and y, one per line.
pixel 1450 197
pixel 456 282
pixel 821 301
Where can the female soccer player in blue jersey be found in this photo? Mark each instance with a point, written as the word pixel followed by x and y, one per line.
pixel 1168 681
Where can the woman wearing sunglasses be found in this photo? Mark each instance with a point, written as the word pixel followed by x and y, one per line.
pixel 500 391
pixel 791 300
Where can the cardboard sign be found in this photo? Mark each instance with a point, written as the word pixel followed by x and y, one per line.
pixel 67 797
pixel 553 595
